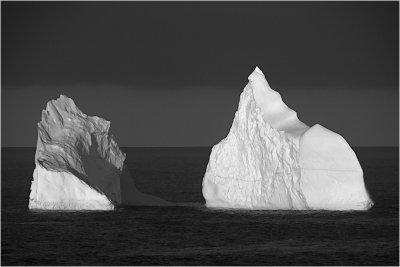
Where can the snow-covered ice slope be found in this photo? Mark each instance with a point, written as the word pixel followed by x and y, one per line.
pixel 272 160
pixel 79 166
pixel 61 190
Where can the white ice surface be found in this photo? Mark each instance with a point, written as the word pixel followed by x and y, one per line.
pixel 272 160
pixel 64 191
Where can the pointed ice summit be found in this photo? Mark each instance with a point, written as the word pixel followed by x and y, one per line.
pixel 79 166
pixel 272 160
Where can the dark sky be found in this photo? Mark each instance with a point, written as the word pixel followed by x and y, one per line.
pixel 170 73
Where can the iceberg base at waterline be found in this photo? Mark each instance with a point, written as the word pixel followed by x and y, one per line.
pixel 64 191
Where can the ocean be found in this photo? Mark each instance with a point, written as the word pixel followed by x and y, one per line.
pixel 192 234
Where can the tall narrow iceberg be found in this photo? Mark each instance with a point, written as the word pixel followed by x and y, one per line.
pixel 79 166
pixel 272 160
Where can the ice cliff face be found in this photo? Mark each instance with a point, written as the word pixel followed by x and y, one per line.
pixel 79 166
pixel 271 160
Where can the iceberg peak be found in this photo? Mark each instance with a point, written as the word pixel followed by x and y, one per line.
pixel 258 77
pixel 257 69
pixel 274 111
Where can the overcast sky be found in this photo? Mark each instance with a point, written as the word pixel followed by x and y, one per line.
pixel 170 73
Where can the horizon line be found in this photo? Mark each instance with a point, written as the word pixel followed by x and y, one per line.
pixel 396 146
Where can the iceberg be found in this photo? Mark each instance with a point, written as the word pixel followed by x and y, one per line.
pixel 270 160
pixel 78 164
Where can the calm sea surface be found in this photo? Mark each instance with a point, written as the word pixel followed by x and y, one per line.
pixel 194 235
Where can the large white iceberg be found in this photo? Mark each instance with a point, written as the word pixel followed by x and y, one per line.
pixel 272 160
pixel 79 166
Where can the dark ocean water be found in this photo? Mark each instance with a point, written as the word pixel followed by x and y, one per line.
pixel 194 235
